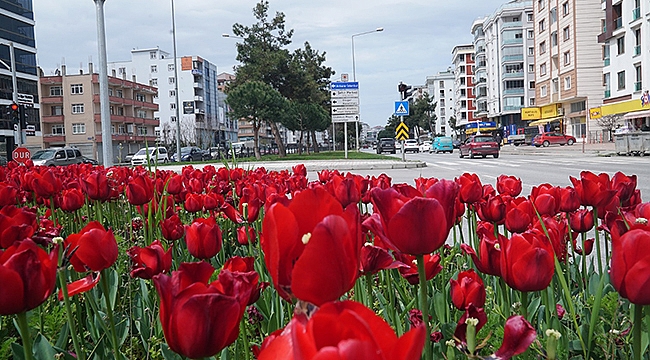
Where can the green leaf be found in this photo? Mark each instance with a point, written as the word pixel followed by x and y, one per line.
pixel 43 349
pixel 63 336
pixel 168 354
pixel 18 352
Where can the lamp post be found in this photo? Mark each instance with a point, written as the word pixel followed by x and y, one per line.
pixel 178 117
pixel 107 137
pixel 354 78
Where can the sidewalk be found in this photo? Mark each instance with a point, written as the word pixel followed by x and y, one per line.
pixel 578 149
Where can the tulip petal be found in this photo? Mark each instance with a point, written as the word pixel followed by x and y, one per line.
pixel 419 227
pixel 80 286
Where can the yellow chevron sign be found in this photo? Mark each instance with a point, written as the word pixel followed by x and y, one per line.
pixel 402 131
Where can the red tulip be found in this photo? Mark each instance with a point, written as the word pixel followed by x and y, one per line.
pixel 8 195
pixel 92 248
pixel 95 185
pixel 375 259
pixel 468 289
pixel 193 202
pixel 72 200
pixel 175 184
pixel 519 215
pixel 345 189
pixel 446 192
pixel 246 235
pixel 149 261
pixel 16 224
pixel 587 247
pixel 629 266
pixel 203 238
pixel 470 312
pixel 300 169
pixel 593 190
pixel 508 185
pixel 493 209
pixel 527 261
pixel 172 228
pixel 139 190
pixel 343 331
pixel 242 269
pixel 27 276
pixel 569 200
pixel 311 247
pixel 410 271
pixel 46 184
pixel 581 220
pixel 414 226
pixel 198 318
pixel 625 186
pixel 81 286
pixel 489 262
pixel 518 334
pixel 471 189
pixel 547 199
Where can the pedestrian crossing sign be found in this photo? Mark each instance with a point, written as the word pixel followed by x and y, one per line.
pixel 401 108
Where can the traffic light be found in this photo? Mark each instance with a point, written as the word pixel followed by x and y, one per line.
pixel 15 112
pixel 404 90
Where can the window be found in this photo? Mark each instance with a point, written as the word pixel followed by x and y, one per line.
pixel 172 106
pixel 154 68
pixel 120 93
pixel 58 129
pixel 142 114
pixel 152 54
pixel 120 111
pixel 56 110
pixel 531 51
pixel 541 26
pixel 170 67
pixel 121 129
pixel 637 83
pixel 142 130
pixel 56 91
pixel 157 133
pixel 78 128
pixel 578 106
pixel 140 97
pixel 567 33
pixel 153 82
pixel 531 34
pixel 530 17
pixel 173 118
pixel 621 80
pixel 620 45
pixel 542 47
pixel 77 108
pixel 543 91
pixel 565 8
pixel 567 83
pixel 606 81
pixel 110 91
pixel 172 93
pixel 171 80
pixel 553 14
pixel 567 58
pixel 531 101
pixel 554 38
pixel 76 89
pixel 531 67
pixel 531 85
pixel 542 69
pixel 541 4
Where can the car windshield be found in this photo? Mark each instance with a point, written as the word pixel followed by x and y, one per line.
pixel 143 151
pixel 444 140
pixel 43 154
pixel 484 139
pixel 186 150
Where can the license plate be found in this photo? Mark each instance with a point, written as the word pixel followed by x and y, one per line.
pixel 487 146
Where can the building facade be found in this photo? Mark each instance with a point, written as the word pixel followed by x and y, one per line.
pixel 441 90
pixel 70 113
pixel 568 64
pixel 464 108
pixel 17 29
pixel 203 112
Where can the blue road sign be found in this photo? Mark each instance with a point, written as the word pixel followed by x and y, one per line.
pixel 401 108
pixel 344 85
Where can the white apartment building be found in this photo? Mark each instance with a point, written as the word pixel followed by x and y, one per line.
pixel 505 67
pixel 463 60
pixel 204 116
pixel 568 64
pixel 441 89
pixel 626 61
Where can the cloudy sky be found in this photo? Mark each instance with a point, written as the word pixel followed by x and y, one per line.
pixel 416 42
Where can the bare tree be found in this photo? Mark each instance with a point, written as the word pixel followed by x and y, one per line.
pixel 608 123
pixel 188 131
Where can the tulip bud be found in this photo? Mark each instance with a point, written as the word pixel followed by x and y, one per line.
pixel 471 334
pixel 451 354
pixel 551 344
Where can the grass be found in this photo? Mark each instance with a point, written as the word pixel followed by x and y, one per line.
pixel 323 155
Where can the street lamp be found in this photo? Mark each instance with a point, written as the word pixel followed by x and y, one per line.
pixel 354 78
pixel 104 106
pixel 178 115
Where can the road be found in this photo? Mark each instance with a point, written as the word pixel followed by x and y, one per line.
pixel 554 167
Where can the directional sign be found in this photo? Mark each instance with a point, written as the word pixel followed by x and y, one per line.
pixel 346 101
pixel 344 85
pixel 345 110
pixel 344 93
pixel 402 131
pixel 401 108
pixel 21 155
pixel 345 118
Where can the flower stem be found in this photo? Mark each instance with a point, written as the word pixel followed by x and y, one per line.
pixel 370 300
pixel 636 335
pixel 109 313
pixel 524 304
pixel 71 323
pixel 423 304
pixel 24 334
pixel 600 260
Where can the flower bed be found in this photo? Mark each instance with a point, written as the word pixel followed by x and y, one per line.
pixel 229 263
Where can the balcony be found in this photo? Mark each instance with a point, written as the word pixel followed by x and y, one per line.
pixel 53 139
pixel 52 119
pixel 198 85
pixel 199 111
pixel 515 74
pixel 512 107
pixel 637 86
pixel 51 99
pixel 515 91
pixel 198 98
pixel 636 14
pixel 606 62
pixel 513 41
pixel 507 58
pixel 511 24
pixel 608 93
pixel 637 50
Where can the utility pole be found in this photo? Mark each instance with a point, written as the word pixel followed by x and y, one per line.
pixel 107 136
pixel 178 117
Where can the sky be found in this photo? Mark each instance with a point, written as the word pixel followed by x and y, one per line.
pixel 416 42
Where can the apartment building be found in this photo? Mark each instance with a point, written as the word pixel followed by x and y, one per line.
pixel 17 28
pixel 70 113
pixel 568 65
pixel 203 113
pixel 441 89
pixel 463 60
pixel 505 77
pixel 626 62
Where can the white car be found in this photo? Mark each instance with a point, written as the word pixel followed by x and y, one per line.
pixel 425 146
pixel 156 155
pixel 411 145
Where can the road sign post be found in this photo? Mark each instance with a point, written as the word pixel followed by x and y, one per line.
pixel 345 107
pixel 402 133
pixel 21 155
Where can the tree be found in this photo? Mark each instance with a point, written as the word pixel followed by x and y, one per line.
pixel 424 111
pixel 609 123
pixel 258 103
pixel 389 129
pixel 452 124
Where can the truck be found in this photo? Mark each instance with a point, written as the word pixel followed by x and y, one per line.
pixel 517 139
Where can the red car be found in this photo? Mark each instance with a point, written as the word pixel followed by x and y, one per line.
pixel 550 138
pixel 482 145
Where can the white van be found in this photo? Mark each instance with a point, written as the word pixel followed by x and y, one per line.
pixel 156 155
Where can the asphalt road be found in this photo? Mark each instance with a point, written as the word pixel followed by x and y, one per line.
pixel 551 165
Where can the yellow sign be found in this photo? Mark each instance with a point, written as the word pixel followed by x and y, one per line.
pixel 549 111
pixel 595 113
pixel 402 131
pixel 533 113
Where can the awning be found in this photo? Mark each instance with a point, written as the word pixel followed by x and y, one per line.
pixel 544 121
pixel 637 114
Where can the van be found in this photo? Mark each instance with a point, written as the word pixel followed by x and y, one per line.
pixel 442 144
pixel 156 155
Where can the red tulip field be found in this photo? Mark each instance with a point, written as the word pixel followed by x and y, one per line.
pixel 227 263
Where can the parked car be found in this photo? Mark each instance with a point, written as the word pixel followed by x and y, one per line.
pixel 57 157
pixel 386 145
pixel 552 138
pixel 456 143
pixel 442 144
pixel 156 155
pixel 517 139
pixel 411 145
pixel 482 145
pixel 87 160
pixel 425 146
pixel 189 153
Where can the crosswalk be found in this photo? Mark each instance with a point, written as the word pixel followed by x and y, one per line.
pixel 516 163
